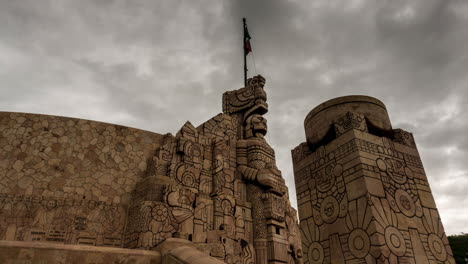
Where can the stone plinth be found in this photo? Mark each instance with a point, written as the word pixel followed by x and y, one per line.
pixel 363 196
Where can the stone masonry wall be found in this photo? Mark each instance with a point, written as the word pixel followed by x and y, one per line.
pixel 67 180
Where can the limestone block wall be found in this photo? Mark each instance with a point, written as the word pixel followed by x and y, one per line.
pixel 67 180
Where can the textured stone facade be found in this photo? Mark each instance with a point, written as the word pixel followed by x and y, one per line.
pixel 215 186
pixel 218 186
pixel 65 180
pixel 363 196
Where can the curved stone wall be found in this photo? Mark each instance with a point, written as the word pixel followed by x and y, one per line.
pixel 67 180
pixel 320 119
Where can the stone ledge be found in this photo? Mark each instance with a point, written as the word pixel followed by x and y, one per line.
pixel 40 245
pixel 181 251
pixel 14 252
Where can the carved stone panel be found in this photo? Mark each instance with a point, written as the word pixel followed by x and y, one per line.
pixel 366 199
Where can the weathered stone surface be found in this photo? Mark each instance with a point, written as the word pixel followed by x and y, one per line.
pixel 215 186
pixel 177 250
pixel 33 252
pixel 55 187
pixel 362 193
pixel 218 186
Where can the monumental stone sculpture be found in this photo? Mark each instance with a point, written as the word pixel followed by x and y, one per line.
pixel 363 196
pixel 215 186
pixel 103 193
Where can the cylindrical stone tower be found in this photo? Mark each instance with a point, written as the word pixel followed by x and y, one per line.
pixel 363 196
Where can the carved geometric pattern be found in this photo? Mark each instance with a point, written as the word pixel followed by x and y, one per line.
pixel 65 221
pixel 208 199
pixel 349 121
pixel 366 200
pixel 89 183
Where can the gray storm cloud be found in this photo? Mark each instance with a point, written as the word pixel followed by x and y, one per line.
pixel 155 64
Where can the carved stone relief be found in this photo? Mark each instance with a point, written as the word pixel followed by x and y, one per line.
pixel 366 199
pixel 217 185
pixel 64 221
pixel 349 121
pixel 221 188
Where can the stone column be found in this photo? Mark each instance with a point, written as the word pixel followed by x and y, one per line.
pixel 363 196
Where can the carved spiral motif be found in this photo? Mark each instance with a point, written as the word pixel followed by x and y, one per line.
pixel 188 179
pixel 188 176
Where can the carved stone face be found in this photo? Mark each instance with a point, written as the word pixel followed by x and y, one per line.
pixel 257 81
pixel 249 100
pixel 259 124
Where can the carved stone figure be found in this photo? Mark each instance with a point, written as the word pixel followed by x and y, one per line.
pixel 256 159
pixel 222 189
pixel 215 186
pixel 256 163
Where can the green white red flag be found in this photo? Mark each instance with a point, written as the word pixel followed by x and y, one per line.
pixel 247 46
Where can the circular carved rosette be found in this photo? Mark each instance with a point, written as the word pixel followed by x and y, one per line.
pixel 359 243
pixel 395 241
pixel 437 247
pixel 329 209
pixel 315 253
pixel 159 212
pixel 405 203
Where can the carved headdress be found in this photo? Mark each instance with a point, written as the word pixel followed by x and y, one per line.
pixel 247 100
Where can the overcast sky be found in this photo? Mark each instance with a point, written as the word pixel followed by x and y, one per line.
pixel 154 64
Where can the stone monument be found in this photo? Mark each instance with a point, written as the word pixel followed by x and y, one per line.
pixel 363 196
pixel 71 189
